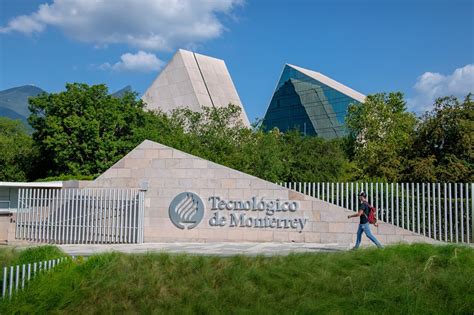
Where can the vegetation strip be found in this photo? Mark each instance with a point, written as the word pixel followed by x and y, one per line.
pixel 414 279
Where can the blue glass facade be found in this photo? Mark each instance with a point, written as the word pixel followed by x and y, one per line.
pixel 308 105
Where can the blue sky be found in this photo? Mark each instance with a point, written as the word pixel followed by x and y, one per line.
pixel 424 48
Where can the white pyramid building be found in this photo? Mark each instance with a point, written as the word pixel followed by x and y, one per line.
pixel 193 80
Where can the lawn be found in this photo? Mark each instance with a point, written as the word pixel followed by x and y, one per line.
pixel 407 279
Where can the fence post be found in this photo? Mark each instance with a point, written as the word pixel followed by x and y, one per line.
pixel 11 281
pixel 4 286
pixel 456 211
pixel 23 271
pixel 462 211
pixel 17 277
pixel 433 186
pixel 418 206
pixel 472 212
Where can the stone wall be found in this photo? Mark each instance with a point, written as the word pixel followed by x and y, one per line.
pixel 167 172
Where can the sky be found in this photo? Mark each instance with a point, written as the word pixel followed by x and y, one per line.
pixel 423 48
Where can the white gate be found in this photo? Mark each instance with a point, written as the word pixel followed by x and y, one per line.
pixel 80 216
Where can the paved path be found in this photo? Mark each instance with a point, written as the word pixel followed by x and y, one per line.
pixel 220 249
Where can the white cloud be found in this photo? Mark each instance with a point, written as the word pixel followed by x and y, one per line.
pixel 431 85
pixel 139 62
pixel 146 24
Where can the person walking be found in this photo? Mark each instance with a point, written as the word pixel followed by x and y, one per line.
pixel 364 226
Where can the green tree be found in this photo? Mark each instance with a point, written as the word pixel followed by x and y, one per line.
pixel 444 142
pixel 17 153
pixel 380 132
pixel 84 130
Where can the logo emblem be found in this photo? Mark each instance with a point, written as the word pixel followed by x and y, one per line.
pixel 186 210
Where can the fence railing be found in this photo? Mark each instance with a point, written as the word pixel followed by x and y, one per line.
pixel 442 211
pixel 80 216
pixel 17 277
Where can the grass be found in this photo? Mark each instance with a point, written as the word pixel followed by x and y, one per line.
pixel 407 279
pixel 16 256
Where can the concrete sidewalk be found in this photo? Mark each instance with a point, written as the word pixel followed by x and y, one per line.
pixel 219 249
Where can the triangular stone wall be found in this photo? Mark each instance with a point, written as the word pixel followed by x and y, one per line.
pixel 167 172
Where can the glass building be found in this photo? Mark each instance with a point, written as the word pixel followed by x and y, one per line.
pixel 309 102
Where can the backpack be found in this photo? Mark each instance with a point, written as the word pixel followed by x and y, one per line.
pixel 371 217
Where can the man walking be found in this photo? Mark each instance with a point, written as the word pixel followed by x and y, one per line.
pixel 364 226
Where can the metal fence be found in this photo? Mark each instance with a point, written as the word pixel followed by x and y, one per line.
pixel 17 277
pixel 80 216
pixel 442 211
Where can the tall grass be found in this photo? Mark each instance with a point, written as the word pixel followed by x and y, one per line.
pixel 17 255
pixel 408 279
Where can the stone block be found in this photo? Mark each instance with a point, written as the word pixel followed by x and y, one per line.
pixel 266 193
pixel 242 183
pixel 198 182
pixel 158 163
pixel 228 183
pixel 197 163
pixel 337 227
pixel 111 173
pixel 180 155
pixel 281 194
pixel 320 227
pixel 265 236
pixel 147 202
pixel 186 163
pixel 400 231
pixel 151 154
pixel 206 173
pixel 222 192
pixel 311 237
pixel 351 227
pixel 250 235
pixel 394 239
pixel 329 238
pixel 123 172
pixel 385 228
pixel 313 215
pixel 185 183
pixel 296 237
pixel 193 173
pixel 259 184
pixel 137 173
pixel 166 153
pixel 280 236
pixel 236 194
pixel 136 154
pixel 235 234
pixel 171 163
pixel 293 195
pixel 221 173
pixel 306 205
pixel 136 163
pixel 344 238
pixel 179 173
pixel 327 216
pixel 171 182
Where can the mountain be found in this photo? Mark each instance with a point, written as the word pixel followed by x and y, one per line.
pixel 120 93
pixel 14 101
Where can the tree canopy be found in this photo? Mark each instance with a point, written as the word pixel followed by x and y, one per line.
pixel 83 130
pixel 17 153
pixel 380 131
pixel 443 146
